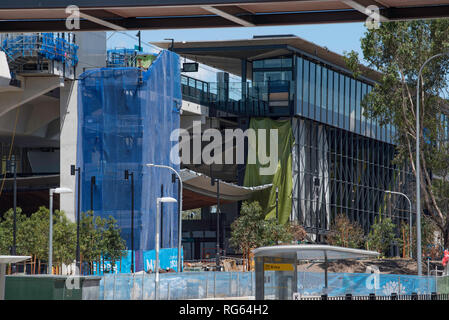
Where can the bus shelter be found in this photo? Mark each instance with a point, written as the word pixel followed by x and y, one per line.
pixel 4 261
pixel 276 266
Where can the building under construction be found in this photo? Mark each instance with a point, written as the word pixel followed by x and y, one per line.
pixel 55 114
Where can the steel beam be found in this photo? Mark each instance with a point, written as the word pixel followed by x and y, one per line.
pixel 276 19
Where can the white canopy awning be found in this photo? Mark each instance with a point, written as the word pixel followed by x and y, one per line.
pixel 199 192
pixel 315 252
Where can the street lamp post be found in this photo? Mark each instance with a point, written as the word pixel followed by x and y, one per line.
pixel 418 168
pixel 410 216
pixel 127 175
pixel 151 165
pixel 217 257
pixel 92 184
pixel 157 237
pixel 50 234
pixel 73 171
pixel 13 168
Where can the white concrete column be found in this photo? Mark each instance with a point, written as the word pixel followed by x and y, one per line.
pixel 68 144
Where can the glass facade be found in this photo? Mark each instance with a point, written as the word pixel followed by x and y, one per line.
pixel 331 97
pixel 353 173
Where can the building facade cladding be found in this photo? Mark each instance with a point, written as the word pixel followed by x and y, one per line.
pixel 342 160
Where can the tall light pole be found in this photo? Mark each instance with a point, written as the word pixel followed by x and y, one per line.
pixel 418 168
pixel 13 167
pixel 50 234
pixel 127 175
pixel 73 170
pixel 217 256
pixel 410 216
pixel 151 165
pixel 157 237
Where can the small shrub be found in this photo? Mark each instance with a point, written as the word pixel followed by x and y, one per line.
pixel 346 233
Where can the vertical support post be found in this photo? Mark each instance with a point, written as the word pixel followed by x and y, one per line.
pixel 73 170
pixel 2 280
pixel 277 204
pixel 325 272
pixel 161 245
pixel 14 229
pixel 218 225
pixel 156 266
pixel 132 223
pixel 244 76
pixel 92 184
pixel 50 235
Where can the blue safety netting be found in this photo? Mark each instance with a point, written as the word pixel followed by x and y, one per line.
pixel 46 45
pixel 125 119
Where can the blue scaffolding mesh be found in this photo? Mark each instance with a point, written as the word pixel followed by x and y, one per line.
pixel 46 45
pixel 125 119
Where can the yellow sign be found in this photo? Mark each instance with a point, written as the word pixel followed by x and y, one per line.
pixel 278 267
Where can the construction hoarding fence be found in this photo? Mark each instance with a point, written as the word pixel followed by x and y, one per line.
pixel 218 285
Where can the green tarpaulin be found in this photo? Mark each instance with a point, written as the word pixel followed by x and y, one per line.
pixel 282 177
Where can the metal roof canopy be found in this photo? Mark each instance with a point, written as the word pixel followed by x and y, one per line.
pixel 200 193
pixel 290 254
pixel 4 260
pixel 13 259
pixel 50 15
pixel 314 252
pixel 227 55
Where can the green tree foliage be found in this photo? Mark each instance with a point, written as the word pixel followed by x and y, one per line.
pixel 6 231
pixel 382 235
pixel 112 244
pixel 98 237
pixel 398 50
pixel 345 233
pixel 250 230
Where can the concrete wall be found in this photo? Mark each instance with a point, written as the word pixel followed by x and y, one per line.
pixel 91 51
pixel 91 54
pixel 68 139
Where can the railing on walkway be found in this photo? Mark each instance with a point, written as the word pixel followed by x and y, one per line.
pixel 250 99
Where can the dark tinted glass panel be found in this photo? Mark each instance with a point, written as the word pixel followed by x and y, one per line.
pixel 305 105
pixel 318 93
pixel 312 90
pixel 299 84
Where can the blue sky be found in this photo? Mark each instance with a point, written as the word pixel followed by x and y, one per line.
pixel 336 37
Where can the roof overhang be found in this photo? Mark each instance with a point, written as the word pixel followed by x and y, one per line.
pixel 227 55
pixel 198 192
pixel 313 252
pixel 50 15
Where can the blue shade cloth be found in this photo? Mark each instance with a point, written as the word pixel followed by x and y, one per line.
pixel 168 258
pixel 125 119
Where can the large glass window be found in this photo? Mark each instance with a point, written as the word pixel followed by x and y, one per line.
pixel 352 106
pixel 312 90
pixel 336 102
pixel 264 76
pixel 347 93
pixel 341 101
pixel 330 96
pixel 358 107
pixel 363 123
pixel 305 105
pixel 299 84
pixel 318 85
pixel 324 88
